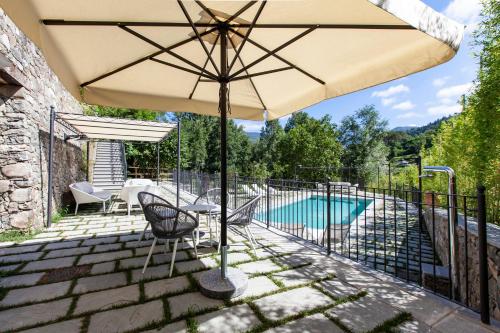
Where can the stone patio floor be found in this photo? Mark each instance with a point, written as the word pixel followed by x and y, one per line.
pixel 84 275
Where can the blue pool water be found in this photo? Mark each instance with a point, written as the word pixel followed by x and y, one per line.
pixel 312 211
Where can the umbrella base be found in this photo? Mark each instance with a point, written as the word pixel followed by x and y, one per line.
pixel 214 286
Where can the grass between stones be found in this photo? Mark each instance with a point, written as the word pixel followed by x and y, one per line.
pixel 17 235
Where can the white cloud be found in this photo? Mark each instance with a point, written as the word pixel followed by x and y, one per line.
pixel 394 90
pixel 440 81
pixel 444 110
pixel 454 91
pixel 406 105
pixel 409 115
pixel 388 101
pixel 464 11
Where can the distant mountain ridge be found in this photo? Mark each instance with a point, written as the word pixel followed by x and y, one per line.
pixel 254 136
pixel 412 130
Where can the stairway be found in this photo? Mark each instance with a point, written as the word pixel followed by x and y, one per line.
pixel 109 167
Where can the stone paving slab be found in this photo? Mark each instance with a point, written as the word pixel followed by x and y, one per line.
pixel 301 275
pixel 69 326
pixel 30 256
pixel 42 265
pixel 262 266
pixel 33 314
pixel 103 300
pixel 20 280
pixel 143 251
pixel 152 272
pixel 99 282
pixel 104 267
pixel 338 288
pixel 316 323
pixel 288 303
pixel 413 326
pixel 235 319
pixel 61 245
pixel 98 241
pixel 133 262
pixel 165 286
pixel 195 302
pixel 105 256
pixel 107 247
pixel 19 249
pixel 177 327
pixel 163 258
pixel 258 286
pixel 363 314
pixel 35 294
pixel 293 260
pixel 126 319
pixel 9 268
pixel 195 265
pixel 236 257
pixel 458 324
pixel 68 252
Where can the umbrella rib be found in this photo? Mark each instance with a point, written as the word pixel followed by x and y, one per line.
pixel 271 71
pixel 149 41
pixel 241 11
pixel 208 11
pixel 182 68
pixel 59 22
pixel 261 8
pixel 280 58
pixel 282 46
pixel 204 66
pixel 198 35
pixel 138 61
pixel 251 81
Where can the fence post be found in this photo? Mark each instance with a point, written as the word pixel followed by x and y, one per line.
pixel 268 203
pixel 483 255
pixel 235 190
pixel 328 217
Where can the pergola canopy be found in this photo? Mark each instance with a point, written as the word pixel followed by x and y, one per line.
pixel 106 128
pixel 145 54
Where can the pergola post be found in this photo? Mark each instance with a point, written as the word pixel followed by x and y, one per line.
pixel 178 171
pixel 50 165
pixel 158 163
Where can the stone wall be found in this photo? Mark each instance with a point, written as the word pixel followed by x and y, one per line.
pixel 442 249
pixel 24 122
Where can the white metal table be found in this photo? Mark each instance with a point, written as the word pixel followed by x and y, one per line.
pixel 202 209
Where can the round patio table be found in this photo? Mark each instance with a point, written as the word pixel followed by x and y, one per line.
pixel 203 209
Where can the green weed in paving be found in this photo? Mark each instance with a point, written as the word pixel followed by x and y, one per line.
pixel 17 235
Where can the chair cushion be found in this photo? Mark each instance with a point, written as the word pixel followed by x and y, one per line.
pixel 84 187
pixel 104 195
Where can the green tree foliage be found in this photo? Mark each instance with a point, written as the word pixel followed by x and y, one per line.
pixel 470 142
pixel 362 136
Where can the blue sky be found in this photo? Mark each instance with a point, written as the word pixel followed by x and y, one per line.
pixel 419 98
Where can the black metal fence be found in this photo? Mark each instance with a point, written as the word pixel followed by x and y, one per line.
pixel 429 239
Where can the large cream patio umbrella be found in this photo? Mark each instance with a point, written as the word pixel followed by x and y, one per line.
pixel 232 58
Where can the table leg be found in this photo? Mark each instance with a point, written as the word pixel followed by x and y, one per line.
pixel 198 229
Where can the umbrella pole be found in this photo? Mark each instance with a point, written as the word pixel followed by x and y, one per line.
pixel 223 149
pixel 223 283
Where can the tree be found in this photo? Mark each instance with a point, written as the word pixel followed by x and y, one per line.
pixel 266 152
pixel 309 143
pixel 362 136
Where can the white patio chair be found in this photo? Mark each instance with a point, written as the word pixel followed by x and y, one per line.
pixel 131 189
pixel 84 192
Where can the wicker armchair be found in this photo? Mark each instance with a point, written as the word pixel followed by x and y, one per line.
pixel 242 217
pixel 146 198
pixel 169 222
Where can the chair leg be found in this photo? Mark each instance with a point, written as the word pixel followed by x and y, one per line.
pixel 128 209
pixel 251 240
pixel 76 208
pixel 166 247
pixel 195 249
pixel 149 254
pixel 253 236
pixel 172 261
pixel 104 207
pixel 142 234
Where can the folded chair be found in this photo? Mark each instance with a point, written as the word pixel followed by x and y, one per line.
pixel 169 223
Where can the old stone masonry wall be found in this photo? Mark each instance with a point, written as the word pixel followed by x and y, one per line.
pixel 24 123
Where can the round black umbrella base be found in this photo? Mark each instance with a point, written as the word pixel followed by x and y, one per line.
pixel 212 285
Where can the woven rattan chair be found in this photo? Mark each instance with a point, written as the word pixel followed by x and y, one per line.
pixel 242 217
pixel 146 198
pixel 169 223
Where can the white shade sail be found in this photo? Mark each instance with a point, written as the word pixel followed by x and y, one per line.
pixel 106 128
pixel 144 54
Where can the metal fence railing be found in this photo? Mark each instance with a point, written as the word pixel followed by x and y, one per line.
pixel 429 239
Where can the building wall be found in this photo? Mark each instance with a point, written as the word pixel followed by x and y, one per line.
pixel 24 123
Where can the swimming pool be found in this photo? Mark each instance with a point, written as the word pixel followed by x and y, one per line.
pixel 312 211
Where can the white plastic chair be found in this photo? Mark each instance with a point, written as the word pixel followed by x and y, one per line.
pixel 84 192
pixel 131 189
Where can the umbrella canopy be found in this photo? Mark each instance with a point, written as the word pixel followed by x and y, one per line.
pixel 232 58
pixel 144 54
